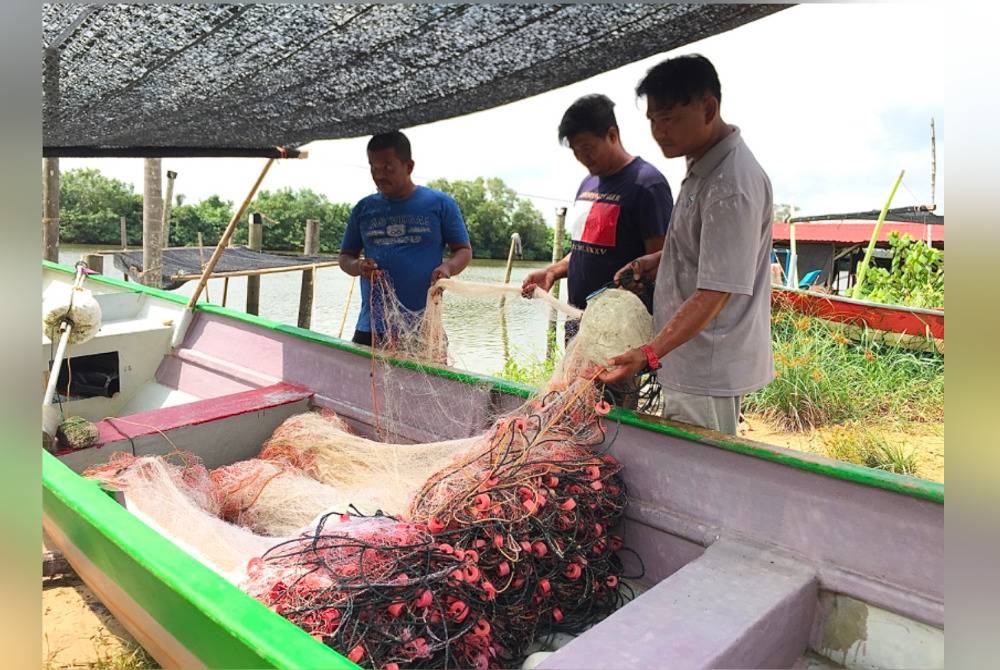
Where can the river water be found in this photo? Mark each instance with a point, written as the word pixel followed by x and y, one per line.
pixel 474 325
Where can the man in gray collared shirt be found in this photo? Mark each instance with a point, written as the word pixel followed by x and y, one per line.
pixel 711 304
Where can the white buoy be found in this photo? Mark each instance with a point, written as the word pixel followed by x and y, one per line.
pixel 72 314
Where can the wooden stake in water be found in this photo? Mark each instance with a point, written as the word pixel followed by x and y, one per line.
pixel 152 224
pixel 863 268
pixel 255 242
pixel 310 248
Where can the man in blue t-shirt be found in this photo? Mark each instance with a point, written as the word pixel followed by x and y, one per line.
pixel 402 230
pixel 622 207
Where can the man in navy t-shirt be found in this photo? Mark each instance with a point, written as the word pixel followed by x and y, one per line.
pixel 622 207
pixel 402 230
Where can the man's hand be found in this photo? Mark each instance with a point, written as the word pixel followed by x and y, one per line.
pixel 543 279
pixel 368 268
pixel 440 272
pixel 623 367
pixel 642 267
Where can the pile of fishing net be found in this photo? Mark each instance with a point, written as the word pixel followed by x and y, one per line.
pixel 510 541
pixel 456 553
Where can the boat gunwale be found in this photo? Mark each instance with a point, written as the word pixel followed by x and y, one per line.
pixel 861 303
pixel 74 502
pixel 896 483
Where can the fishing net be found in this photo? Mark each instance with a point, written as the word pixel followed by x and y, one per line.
pixel 511 539
pixel 453 553
pixel 373 476
pixel 177 496
pixel 272 499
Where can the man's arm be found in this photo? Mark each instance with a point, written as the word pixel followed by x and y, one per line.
pixel 690 319
pixel 354 266
pixel 545 277
pixel 461 256
pixel 654 244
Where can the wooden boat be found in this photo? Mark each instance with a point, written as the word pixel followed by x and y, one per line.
pixel 755 556
pixel 912 327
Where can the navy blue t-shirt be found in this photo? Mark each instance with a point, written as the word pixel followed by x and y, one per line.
pixel 406 238
pixel 611 218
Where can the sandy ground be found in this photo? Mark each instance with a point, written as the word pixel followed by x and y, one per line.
pixel 926 442
pixel 79 632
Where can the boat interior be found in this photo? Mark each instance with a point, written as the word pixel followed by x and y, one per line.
pixel 714 593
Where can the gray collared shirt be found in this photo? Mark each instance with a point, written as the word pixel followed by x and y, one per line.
pixel 719 238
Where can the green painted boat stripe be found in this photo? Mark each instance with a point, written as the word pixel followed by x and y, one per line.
pixel 130 286
pixel 218 623
pixel 917 488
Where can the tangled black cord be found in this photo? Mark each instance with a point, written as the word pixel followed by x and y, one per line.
pixel 513 544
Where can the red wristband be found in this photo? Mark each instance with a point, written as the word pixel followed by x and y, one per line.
pixel 651 359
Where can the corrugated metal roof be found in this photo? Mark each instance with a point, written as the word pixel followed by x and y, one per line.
pixel 854 232
pixel 234 77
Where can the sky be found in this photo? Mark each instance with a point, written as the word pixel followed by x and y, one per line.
pixel 833 99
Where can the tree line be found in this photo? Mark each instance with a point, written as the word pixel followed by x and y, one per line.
pixel 91 206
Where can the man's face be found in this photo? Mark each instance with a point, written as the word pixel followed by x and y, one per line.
pixel 595 152
pixel 680 130
pixel 390 174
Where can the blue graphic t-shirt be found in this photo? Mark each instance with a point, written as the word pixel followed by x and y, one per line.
pixel 406 238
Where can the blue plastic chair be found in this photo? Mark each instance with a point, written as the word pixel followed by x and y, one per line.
pixel 810 277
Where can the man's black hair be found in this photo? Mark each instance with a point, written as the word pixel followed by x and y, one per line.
pixel 394 139
pixel 593 113
pixel 676 81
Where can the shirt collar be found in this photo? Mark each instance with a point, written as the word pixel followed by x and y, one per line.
pixel 705 165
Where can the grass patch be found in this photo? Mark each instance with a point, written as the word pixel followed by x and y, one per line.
pixel 862 446
pixel 532 371
pixel 823 378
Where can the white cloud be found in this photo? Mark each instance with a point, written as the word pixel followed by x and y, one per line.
pixel 816 89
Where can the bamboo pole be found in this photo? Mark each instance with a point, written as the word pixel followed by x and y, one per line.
pixel 258 272
pixel 224 240
pixel 515 247
pixel 310 248
pixel 181 327
pixel 863 268
pixel 201 262
pixel 792 276
pixel 347 306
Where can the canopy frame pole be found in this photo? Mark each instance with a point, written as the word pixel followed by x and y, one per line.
pixel 181 328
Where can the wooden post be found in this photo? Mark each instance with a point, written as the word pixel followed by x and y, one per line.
pixel 311 248
pixel 95 262
pixel 255 242
pixel 167 204
pixel 50 209
pixel 152 224
pixel 122 223
pixel 557 254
